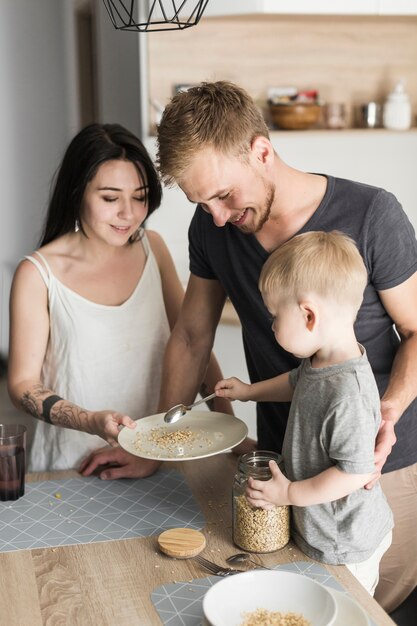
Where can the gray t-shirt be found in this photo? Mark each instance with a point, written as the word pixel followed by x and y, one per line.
pixel 333 421
pixel 385 238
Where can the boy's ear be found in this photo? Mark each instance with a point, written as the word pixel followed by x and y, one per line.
pixel 310 314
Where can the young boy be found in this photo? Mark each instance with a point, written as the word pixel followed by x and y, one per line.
pixel 313 287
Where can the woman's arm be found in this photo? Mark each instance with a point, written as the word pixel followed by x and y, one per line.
pixel 29 333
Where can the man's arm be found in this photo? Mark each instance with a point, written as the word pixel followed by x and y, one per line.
pixel 173 294
pixel 400 303
pixel 188 352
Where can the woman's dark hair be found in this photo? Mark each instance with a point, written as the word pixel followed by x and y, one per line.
pixel 91 147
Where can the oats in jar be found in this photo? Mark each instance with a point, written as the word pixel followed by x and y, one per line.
pixel 260 530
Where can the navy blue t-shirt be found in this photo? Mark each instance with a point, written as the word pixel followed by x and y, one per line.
pixel 376 221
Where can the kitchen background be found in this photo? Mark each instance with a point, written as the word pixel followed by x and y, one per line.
pixel 62 65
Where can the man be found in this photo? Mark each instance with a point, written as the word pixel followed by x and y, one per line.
pixel 213 142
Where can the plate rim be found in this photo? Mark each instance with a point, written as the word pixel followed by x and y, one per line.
pixel 347 596
pixel 163 458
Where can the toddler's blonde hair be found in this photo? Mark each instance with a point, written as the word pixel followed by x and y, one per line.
pixel 324 263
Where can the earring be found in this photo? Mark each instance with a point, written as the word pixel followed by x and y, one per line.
pixel 76 226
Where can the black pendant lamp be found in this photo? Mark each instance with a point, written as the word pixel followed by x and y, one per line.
pixel 154 15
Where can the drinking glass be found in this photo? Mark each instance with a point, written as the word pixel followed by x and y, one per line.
pixel 12 461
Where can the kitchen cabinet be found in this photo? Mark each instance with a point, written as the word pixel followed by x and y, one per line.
pixel 307 7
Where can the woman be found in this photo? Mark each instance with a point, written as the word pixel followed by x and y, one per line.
pixel 92 309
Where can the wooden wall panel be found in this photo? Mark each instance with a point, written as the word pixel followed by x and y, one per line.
pixel 349 59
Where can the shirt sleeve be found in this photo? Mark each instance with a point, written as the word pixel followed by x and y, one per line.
pixel 391 251
pixel 294 376
pixel 199 266
pixel 350 431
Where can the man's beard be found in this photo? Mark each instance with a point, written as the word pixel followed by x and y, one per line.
pixel 264 213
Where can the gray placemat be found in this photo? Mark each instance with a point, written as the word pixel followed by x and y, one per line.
pixel 86 510
pixel 181 603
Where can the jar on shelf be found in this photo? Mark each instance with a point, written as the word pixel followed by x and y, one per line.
pixel 256 529
pixel 397 109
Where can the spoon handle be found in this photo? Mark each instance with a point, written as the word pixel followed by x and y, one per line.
pixel 210 397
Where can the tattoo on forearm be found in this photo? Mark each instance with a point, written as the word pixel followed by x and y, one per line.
pixel 29 404
pixel 70 416
pixel 204 392
pixel 37 402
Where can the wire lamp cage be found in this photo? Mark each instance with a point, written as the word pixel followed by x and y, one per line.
pixel 154 15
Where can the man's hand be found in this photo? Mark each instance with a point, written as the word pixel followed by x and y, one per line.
pixel 385 438
pixel 106 424
pixel 111 463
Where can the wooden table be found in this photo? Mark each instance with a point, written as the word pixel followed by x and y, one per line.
pixel 110 583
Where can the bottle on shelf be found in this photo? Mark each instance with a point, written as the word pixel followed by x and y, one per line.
pixel 397 109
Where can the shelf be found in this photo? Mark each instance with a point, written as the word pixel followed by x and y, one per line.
pixel 343 131
pixel 329 132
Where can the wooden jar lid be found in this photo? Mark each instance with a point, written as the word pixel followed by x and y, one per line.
pixel 181 542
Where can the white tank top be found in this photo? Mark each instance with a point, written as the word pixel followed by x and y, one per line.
pixel 100 357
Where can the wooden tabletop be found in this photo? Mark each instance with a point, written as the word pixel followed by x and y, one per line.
pixel 110 583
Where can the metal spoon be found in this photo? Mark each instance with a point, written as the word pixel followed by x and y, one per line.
pixel 242 556
pixel 179 410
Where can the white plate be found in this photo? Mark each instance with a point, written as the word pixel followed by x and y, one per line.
pixel 349 612
pixel 228 600
pixel 210 433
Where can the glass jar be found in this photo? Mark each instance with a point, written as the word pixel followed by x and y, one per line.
pixel 256 529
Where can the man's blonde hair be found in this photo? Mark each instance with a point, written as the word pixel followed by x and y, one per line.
pixel 326 264
pixel 220 115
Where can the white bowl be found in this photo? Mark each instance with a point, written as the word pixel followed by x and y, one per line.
pixel 226 603
pixel 349 611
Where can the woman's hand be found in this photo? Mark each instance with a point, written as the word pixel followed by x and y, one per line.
pixel 112 463
pixel 106 424
pixel 233 388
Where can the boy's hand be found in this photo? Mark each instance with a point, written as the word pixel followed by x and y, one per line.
pixel 106 424
pixel 233 388
pixel 268 493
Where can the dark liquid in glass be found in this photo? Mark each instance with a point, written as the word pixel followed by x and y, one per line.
pixel 12 474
